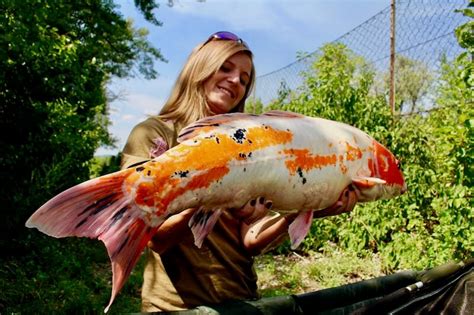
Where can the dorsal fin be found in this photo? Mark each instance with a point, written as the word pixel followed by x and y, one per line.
pixel 209 123
pixel 204 125
pixel 282 113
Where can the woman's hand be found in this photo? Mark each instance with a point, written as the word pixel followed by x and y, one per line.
pixel 254 210
pixel 260 230
pixel 346 203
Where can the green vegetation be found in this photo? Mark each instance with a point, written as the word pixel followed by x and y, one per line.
pixel 57 61
pixel 293 273
pixel 432 223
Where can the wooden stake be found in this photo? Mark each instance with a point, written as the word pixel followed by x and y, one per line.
pixel 392 58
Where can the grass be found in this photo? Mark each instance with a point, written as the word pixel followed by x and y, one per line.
pixel 43 275
pixel 294 273
pixel 40 275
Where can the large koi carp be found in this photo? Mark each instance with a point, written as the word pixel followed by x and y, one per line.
pixel 300 163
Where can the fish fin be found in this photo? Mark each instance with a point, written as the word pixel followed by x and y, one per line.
pixel 281 113
pixel 367 182
pixel 202 222
pixel 83 210
pixel 209 123
pixel 225 121
pixel 124 246
pixel 100 209
pixel 299 228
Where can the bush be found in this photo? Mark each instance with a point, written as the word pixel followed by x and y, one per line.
pixel 430 224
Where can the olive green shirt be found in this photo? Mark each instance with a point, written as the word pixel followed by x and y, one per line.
pixel 186 276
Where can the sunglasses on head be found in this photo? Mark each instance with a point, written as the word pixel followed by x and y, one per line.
pixel 223 35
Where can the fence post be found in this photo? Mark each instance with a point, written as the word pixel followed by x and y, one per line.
pixel 392 57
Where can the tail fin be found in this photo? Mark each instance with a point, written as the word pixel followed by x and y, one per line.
pixel 99 209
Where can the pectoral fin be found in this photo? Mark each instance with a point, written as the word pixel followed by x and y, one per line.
pixel 202 222
pixel 367 182
pixel 299 228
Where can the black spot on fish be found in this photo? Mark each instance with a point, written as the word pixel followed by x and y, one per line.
pixel 245 169
pixel 300 174
pixel 100 204
pixel 136 164
pixel 81 223
pixel 205 125
pixel 182 174
pixel 249 141
pixel 186 133
pixel 217 140
pixel 139 169
pixel 117 216
pixel 250 154
pixel 148 173
pixel 239 135
pixel 242 155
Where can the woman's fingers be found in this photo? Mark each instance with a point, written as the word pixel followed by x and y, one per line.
pixel 346 203
pixel 253 210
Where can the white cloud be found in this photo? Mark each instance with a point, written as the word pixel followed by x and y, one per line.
pixel 128 117
pixel 143 103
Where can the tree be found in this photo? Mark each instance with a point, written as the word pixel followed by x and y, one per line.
pixel 432 222
pixel 413 80
pixel 56 61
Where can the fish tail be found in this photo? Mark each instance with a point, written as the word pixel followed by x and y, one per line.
pixel 100 209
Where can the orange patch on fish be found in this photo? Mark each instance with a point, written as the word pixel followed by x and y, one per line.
pixel 143 196
pixel 371 165
pixel 203 180
pixel 342 166
pixel 305 160
pixel 211 156
pixel 353 153
pixel 209 152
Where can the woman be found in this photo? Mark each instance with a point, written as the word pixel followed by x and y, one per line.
pixel 216 79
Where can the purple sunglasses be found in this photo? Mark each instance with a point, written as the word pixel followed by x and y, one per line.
pixel 223 35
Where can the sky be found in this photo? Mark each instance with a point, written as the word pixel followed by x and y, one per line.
pixel 275 30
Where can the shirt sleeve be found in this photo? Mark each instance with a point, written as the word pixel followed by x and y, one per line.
pixel 144 143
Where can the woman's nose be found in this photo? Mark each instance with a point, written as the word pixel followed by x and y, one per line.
pixel 234 77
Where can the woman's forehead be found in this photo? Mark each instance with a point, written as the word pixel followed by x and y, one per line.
pixel 241 60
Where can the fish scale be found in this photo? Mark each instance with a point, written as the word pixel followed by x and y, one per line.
pixel 302 164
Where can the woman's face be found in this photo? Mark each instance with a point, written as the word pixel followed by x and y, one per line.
pixel 226 88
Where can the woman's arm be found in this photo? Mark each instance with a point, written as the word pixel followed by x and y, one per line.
pixel 171 232
pixel 266 233
pixel 262 232
pixel 175 227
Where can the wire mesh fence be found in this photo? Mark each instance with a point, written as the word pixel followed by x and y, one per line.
pixel 424 33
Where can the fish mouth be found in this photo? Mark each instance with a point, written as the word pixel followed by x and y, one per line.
pixel 404 189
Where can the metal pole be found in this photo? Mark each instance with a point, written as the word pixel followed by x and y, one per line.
pixel 392 58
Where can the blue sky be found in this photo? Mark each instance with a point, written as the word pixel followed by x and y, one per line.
pixel 275 30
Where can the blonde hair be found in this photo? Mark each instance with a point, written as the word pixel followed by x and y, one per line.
pixel 187 102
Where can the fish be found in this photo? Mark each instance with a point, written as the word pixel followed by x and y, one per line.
pixel 300 163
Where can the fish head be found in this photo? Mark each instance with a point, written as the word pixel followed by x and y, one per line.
pixel 386 179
